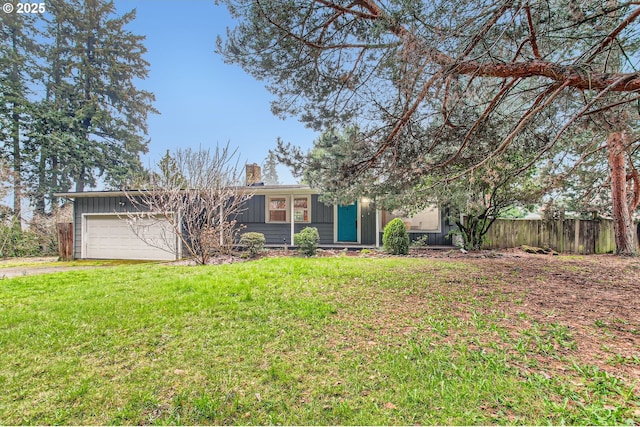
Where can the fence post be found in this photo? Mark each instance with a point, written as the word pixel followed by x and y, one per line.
pixel 65 241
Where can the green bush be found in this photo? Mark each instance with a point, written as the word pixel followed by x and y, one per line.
pixel 18 243
pixel 253 242
pixel 421 242
pixel 395 238
pixel 307 241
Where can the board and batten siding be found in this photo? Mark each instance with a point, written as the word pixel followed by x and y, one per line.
pixel 253 220
pixel 367 223
pixel 253 211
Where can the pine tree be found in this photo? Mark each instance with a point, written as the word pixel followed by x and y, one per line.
pixel 401 70
pixel 269 169
pixel 18 69
pixel 169 173
pixel 93 62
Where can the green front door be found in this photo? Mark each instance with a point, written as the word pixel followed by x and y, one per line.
pixel 348 223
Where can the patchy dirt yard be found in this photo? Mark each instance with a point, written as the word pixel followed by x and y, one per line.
pixel 596 297
pixel 569 311
pixel 594 301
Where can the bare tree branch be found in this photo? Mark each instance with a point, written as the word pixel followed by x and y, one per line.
pixel 198 199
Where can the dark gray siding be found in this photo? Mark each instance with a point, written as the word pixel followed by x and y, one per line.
pixel 274 234
pixel 321 213
pixel 253 211
pixel 367 224
pixel 322 219
pixel 280 234
pixel 253 218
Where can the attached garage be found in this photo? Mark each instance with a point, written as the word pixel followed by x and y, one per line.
pixel 111 237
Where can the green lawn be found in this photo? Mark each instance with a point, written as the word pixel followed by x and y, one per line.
pixel 342 340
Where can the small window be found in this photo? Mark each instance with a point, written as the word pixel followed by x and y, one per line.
pixel 277 209
pixel 301 209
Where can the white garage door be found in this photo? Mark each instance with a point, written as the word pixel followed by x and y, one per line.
pixel 110 237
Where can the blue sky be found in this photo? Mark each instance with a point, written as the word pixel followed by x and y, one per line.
pixel 202 100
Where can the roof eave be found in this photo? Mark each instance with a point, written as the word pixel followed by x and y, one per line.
pixel 256 190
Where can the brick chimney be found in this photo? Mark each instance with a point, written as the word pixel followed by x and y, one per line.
pixel 253 174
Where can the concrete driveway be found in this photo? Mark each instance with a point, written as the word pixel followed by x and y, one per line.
pixel 19 267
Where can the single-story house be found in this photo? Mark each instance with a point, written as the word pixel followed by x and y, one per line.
pixel 279 211
pixel 283 210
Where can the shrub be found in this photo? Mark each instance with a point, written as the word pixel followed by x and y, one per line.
pixel 253 242
pixel 19 243
pixel 395 238
pixel 44 227
pixel 307 240
pixel 421 242
pixel 40 238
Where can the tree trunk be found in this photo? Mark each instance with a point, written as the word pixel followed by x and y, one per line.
pixel 80 181
pixel 622 208
pixel 17 168
pixel 473 230
pixel 54 182
pixel 39 201
pixel 15 135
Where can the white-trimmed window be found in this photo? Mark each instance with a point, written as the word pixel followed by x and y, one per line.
pixel 301 209
pixel 279 208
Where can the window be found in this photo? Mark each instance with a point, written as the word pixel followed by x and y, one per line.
pixel 301 209
pixel 277 209
pixel 426 220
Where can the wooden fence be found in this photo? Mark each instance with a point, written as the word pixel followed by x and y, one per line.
pixel 65 241
pixel 568 236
